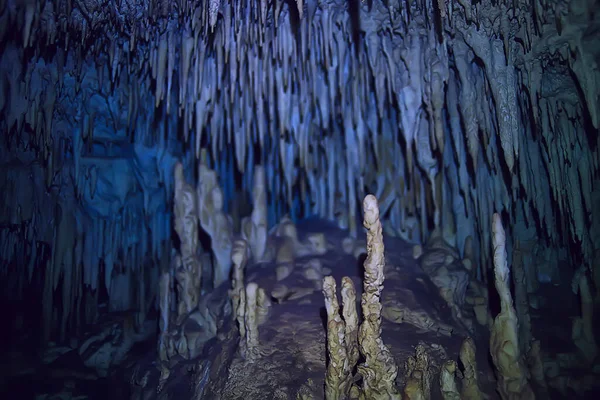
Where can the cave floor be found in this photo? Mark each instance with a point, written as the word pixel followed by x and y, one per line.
pixel 293 339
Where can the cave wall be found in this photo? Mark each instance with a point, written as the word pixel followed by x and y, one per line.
pixel 447 111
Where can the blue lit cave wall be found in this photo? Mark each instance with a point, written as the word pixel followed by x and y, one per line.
pixel 447 111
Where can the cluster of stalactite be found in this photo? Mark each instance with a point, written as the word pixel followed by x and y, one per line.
pixel 447 111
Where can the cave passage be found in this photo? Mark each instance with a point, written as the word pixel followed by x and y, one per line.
pixel 300 199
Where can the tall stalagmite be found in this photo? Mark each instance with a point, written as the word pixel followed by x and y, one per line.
pixel 379 370
pixel 504 343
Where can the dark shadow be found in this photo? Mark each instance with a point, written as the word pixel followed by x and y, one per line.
pixel 323 315
pixel 295 20
pixel 360 267
pixel 438 22
pixel 354 12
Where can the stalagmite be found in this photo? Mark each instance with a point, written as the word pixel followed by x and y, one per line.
pixel 239 258
pixel 215 222
pixel 379 370
pixel 250 347
pixel 222 235
pixel 504 342
pixel 338 378
pixel 187 291
pixel 470 382
pixel 165 307
pixel 351 320
pixel 448 381
pixel 418 374
pixel 263 306
pixel 186 226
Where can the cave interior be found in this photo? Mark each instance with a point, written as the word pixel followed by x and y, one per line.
pixel 300 199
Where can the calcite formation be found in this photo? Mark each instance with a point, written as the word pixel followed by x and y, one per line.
pixel 447 111
pixel 504 343
pixel 470 382
pixel 448 386
pixel 239 258
pixel 338 379
pixel 263 306
pixel 478 298
pixel 448 274
pixel 189 273
pixel 185 213
pixel 215 222
pixel 351 320
pixel 379 370
pixel 249 345
pixel 346 341
pixel 254 228
pixel 418 375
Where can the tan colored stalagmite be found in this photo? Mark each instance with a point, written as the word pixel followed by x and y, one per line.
pixel 351 320
pixel 419 377
pixel 504 343
pixel 379 370
pixel 470 384
pixel 338 379
pixel 448 381
pixel 250 350
pixel 263 306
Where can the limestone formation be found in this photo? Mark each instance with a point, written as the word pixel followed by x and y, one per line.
pixel 470 382
pixel 504 342
pixel 164 307
pixel 263 306
pixel 478 298
pixel 254 228
pixel 239 258
pixel 351 320
pixel 338 378
pixel 448 386
pixel 187 291
pixel 215 222
pixel 249 348
pixel 418 375
pixel 447 111
pixel 379 370
pixel 187 229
